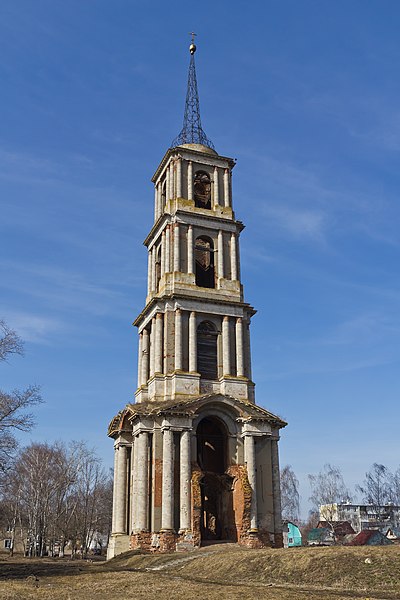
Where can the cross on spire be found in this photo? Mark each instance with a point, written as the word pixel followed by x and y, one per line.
pixel 192 131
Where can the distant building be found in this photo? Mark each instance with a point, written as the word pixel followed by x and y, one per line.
pixel 392 533
pixel 291 535
pixel 320 536
pixel 370 537
pixel 361 516
pixel 340 529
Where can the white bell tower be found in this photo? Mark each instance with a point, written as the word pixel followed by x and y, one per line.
pixel 196 460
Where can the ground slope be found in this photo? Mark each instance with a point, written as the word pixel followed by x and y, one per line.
pixel 216 572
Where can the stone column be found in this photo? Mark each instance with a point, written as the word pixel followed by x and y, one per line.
pixel 153 269
pixel 167 514
pixel 155 203
pixel 134 482
pixel 190 250
pixel 220 254
pixel 149 272
pixel 179 178
pixel 115 490
pixel 250 458
pixel 139 370
pixel 152 345
pixel 248 350
pixel 216 187
pixel 171 180
pixel 145 357
pixel 192 342
pixel 185 478
pixel 190 180
pixel 226 350
pixel 276 487
pixel 233 258
pixel 167 184
pixel 239 348
pixel 178 340
pixel 120 500
pixel 166 339
pixel 226 188
pixel 159 201
pixel 177 261
pixel 167 249
pixel 159 350
pixel 142 492
pixel 163 253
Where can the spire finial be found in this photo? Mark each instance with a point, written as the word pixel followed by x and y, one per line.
pixel 192 47
pixel 192 131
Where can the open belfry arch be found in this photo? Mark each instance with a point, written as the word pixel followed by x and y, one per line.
pixel 196 460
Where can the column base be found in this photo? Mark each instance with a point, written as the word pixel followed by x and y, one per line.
pixel 186 541
pixel 256 539
pixel 117 544
pixel 163 542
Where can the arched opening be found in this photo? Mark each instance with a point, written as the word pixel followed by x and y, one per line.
pixel 202 190
pixel 217 518
pixel 204 255
pixel 211 445
pixel 207 351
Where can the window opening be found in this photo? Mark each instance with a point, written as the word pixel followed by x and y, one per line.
pixel 204 255
pixel 207 355
pixel 202 190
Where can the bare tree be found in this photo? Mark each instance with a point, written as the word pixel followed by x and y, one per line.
pixel 290 497
pixel 15 405
pixel 394 487
pixel 375 489
pixel 87 493
pixel 328 488
pixel 58 495
pixel 10 342
pixel 40 474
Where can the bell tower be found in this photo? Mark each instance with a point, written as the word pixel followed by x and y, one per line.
pixel 194 330
pixel 194 410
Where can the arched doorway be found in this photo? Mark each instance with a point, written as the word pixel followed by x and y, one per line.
pixel 217 516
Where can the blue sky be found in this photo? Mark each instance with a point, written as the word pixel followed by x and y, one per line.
pixel 306 96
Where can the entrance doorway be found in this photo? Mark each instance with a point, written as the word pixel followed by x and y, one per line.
pixel 217 515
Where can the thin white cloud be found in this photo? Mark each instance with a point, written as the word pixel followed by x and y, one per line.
pixel 33 327
pixel 298 223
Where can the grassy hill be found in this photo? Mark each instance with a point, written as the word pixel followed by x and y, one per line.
pixel 214 572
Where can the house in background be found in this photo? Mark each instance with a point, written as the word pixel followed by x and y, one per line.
pixel 392 533
pixel 361 516
pixel 321 536
pixel 291 535
pixel 370 537
pixel 341 530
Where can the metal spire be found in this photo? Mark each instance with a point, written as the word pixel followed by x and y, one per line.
pixel 192 131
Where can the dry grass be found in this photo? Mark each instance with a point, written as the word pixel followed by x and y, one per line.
pixel 217 572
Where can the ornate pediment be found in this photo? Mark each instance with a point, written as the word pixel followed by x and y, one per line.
pixel 241 410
